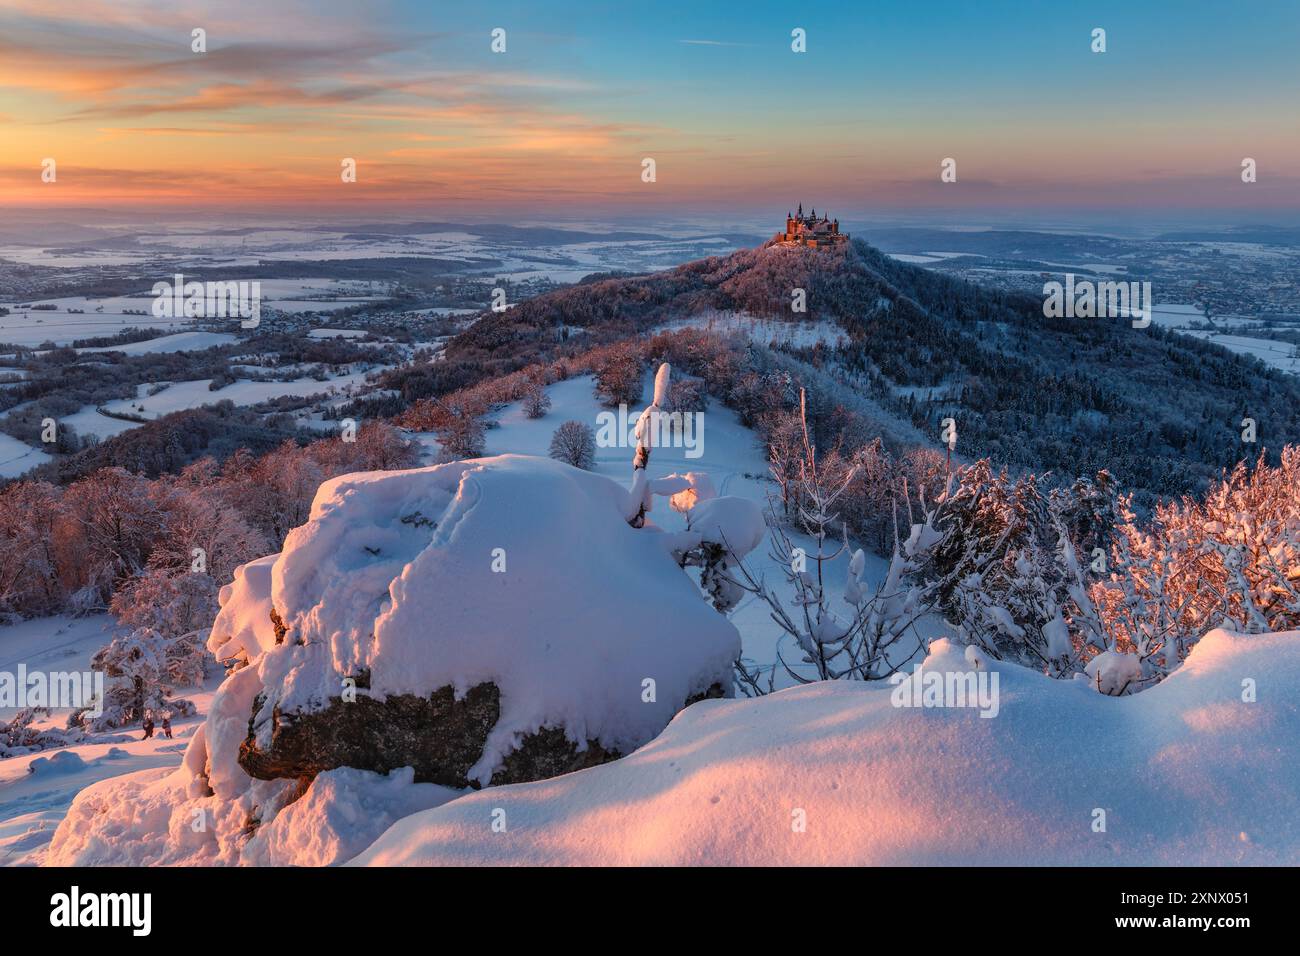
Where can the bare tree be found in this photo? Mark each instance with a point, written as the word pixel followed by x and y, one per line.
pixel 574 444
pixel 856 646
pixel 536 402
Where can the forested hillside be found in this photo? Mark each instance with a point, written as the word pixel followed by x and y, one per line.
pixel 1163 412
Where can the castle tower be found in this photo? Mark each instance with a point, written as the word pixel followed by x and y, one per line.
pixel 811 230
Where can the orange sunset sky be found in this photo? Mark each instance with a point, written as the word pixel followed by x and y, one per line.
pixel 732 116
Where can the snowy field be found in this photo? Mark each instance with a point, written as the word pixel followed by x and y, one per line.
pixel 79 317
pixel 468 250
pixel 182 395
pixel 176 342
pixel 96 317
pixel 17 457
pixel 1282 356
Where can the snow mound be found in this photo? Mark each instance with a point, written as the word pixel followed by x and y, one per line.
pixel 1190 772
pixel 62 762
pixel 342 813
pixel 734 523
pixel 518 571
pixel 243 628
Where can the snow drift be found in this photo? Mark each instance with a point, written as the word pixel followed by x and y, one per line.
pixel 1190 772
pixel 1187 773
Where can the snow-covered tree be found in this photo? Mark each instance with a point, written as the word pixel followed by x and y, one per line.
pixel 117 520
pixel 142 672
pixel 1231 559
pixel 169 602
pixel 20 736
pixel 641 494
pixel 29 578
pixel 618 376
pixel 687 394
pixel 463 434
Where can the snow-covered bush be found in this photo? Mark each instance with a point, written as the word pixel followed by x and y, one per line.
pixel 855 645
pixel 463 434
pixel 169 603
pixel 574 443
pixel 688 395
pixel 1230 559
pixel 18 736
pixel 618 376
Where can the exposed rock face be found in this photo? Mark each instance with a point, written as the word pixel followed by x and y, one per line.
pixel 439 736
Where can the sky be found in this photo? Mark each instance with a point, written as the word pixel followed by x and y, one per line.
pixel 559 124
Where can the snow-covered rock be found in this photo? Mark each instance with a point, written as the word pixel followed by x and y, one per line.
pixel 62 762
pixel 1197 770
pixel 479 621
pixel 517 572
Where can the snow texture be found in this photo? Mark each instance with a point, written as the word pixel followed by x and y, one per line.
pixel 342 812
pixel 1187 772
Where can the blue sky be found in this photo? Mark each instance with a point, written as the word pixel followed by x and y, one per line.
pixel 712 91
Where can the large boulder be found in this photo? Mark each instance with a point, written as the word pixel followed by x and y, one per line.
pixel 491 621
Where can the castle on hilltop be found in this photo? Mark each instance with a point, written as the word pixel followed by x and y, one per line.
pixel 801 230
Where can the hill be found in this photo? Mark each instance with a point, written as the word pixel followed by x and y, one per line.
pixel 1162 411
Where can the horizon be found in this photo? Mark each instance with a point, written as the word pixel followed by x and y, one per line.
pixel 557 125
